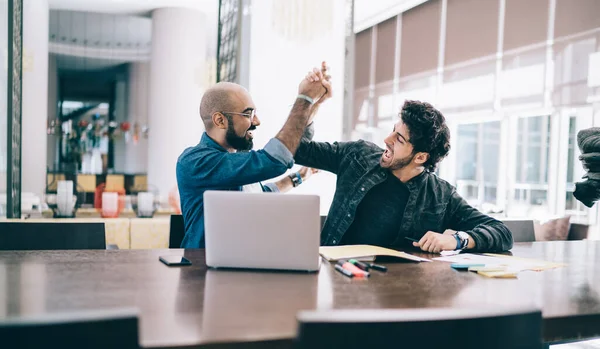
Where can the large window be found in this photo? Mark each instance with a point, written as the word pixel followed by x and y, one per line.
pixel 533 152
pixel 514 114
pixel 477 166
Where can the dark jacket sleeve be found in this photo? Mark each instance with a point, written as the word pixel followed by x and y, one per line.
pixel 321 155
pixel 489 234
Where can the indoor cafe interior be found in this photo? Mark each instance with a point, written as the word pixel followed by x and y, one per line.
pixel 132 212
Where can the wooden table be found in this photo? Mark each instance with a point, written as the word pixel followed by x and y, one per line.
pixel 194 306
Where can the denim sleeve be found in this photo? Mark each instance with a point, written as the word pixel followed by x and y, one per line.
pixel 213 168
pixel 489 234
pixel 270 188
pixel 321 155
pixel 280 152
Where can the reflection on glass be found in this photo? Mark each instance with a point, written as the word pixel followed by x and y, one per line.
pixel 278 296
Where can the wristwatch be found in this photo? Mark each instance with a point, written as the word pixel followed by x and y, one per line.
pixel 296 179
pixel 462 240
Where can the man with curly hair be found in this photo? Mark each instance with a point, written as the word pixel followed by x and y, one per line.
pixel 387 197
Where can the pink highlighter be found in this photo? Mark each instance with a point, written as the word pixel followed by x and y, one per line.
pixel 356 271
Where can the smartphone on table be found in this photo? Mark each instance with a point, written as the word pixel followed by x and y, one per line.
pixel 172 261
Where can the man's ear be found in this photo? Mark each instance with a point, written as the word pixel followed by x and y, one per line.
pixel 421 158
pixel 219 120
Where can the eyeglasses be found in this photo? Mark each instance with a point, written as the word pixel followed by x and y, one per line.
pixel 249 115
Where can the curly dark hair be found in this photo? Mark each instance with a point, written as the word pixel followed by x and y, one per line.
pixel 427 131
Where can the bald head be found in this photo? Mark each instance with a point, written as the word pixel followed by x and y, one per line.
pixel 223 97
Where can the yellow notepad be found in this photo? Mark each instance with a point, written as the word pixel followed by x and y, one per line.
pixel 499 274
pixel 364 253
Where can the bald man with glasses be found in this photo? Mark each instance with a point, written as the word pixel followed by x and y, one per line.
pixel 224 159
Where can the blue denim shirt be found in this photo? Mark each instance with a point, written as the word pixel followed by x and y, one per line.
pixel 208 166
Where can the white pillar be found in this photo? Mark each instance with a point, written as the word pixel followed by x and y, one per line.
pixel 284 45
pixel 136 155
pixel 176 76
pixel 52 140
pixel 35 95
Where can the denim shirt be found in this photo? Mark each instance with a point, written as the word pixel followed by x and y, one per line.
pixel 208 166
pixel 433 204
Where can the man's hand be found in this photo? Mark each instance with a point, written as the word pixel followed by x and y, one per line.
pixel 313 87
pixel 307 172
pixel 325 79
pixel 314 76
pixel 285 184
pixel 301 114
pixel 435 242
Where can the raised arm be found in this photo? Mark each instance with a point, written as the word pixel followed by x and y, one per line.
pixel 202 167
pixel 303 110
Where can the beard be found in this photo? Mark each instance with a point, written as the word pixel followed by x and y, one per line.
pixel 397 164
pixel 237 142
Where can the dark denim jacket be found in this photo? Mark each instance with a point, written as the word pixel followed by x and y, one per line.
pixel 433 204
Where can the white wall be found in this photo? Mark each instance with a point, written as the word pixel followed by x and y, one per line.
pixel 284 46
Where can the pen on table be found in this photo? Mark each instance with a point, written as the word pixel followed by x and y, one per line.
pixel 352 268
pixel 465 265
pixel 359 264
pixel 377 266
pixel 341 269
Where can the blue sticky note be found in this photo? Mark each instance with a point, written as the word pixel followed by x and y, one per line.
pixel 465 265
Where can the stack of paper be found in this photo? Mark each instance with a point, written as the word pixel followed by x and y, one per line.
pixel 364 253
pixel 499 265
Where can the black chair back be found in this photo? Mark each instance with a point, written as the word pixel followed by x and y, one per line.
pixel 578 231
pixel 176 231
pixel 104 329
pixel 421 328
pixel 52 236
pixel 522 230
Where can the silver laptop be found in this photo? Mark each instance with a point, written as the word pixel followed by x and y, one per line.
pixel 262 230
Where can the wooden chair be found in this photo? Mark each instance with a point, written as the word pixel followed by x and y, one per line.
pixel 95 330
pixel 52 236
pixel 421 328
pixel 176 231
